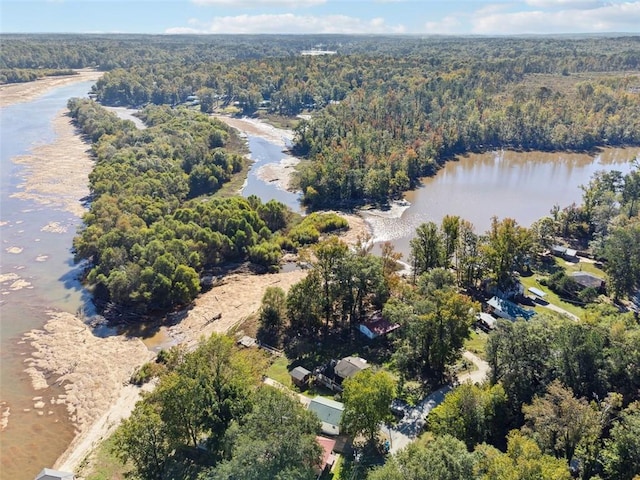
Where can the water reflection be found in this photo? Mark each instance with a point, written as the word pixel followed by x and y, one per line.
pixel 520 185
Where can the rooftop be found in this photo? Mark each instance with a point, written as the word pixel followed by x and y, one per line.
pixel 349 366
pixel 510 308
pixel 329 412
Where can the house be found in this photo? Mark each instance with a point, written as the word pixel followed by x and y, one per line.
pixel 560 251
pixel 329 412
pixel 588 280
pixel 509 310
pixel 377 326
pixel 349 366
pixel 328 457
pixel 300 376
pixel 50 474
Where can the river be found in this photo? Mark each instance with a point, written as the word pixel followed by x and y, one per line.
pixel 37 274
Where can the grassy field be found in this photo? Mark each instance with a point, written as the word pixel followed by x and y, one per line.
pixel 476 343
pixel 279 371
pixel 551 297
pixel 106 466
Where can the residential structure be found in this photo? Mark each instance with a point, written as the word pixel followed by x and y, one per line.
pixel 330 414
pixel 509 310
pixel 328 457
pixel 377 327
pixel 349 366
pixel 588 280
pixel 300 376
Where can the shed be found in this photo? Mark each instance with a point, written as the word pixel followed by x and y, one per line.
pixel 349 366
pixel 588 280
pixel 571 253
pixel 329 412
pixel 300 376
pixel 537 292
pixel 247 341
pixel 486 320
pixel 50 474
pixel 377 327
pixel 558 250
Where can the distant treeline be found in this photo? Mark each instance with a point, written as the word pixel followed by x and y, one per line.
pixel 387 110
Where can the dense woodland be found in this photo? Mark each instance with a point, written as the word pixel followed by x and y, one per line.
pixel 384 112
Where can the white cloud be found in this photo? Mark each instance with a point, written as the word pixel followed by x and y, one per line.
pixel 290 23
pixel 261 3
pixel 448 25
pixel 564 3
pixel 609 17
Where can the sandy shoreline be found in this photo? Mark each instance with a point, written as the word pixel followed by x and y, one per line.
pixel 279 173
pixel 12 93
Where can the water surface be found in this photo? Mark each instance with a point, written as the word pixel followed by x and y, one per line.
pixel 520 185
pixel 43 266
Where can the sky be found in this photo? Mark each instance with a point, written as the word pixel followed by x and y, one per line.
pixel 423 17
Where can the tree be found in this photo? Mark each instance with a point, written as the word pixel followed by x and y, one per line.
pixel 520 355
pixel 272 315
pixel 622 254
pixel 559 422
pixel 450 232
pixel 142 439
pixel 434 333
pixel 621 455
pixel 471 413
pixel 443 458
pixel 329 254
pixel 276 440
pixel 523 461
pixel 367 399
pixel 507 249
pixel 467 256
pixel 207 390
pixel 427 250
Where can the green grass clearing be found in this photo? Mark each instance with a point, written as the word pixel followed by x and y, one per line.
pixel 105 464
pixel 279 371
pixel 477 343
pixel 551 297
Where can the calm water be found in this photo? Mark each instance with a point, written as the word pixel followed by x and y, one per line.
pixel 263 152
pixel 523 186
pixel 43 263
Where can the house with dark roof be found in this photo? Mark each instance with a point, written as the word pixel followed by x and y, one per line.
pixel 51 474
pixel 349 366
pixel 588 280
pixel 329 412
pixel 300 376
